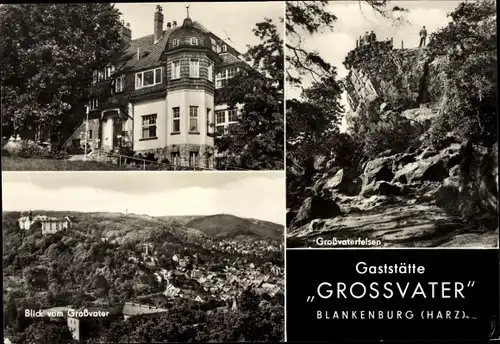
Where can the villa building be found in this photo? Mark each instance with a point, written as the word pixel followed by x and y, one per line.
pixel 160 97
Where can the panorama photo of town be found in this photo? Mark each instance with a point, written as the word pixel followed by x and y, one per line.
pixel 142 86
pixel 391 116
pixel 106 258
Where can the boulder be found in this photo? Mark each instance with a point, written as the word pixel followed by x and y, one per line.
pixel 345 181
pixel 377 170
pixel 315 207
pixel 428 152
pixel 426 170
pixel 316 225
pixel 290 215
pixel 447 196
pixel 382 188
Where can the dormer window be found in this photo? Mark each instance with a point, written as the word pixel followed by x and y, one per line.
pixel 148 78
pixel 176 42
pixel 223 48
pixel 194 41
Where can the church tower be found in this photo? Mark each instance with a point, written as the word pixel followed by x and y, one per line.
pixel 190 64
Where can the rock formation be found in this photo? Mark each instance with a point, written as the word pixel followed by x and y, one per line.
pixel 420 196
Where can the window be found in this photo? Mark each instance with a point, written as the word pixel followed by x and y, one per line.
pixel 209 127
pixel 148 78
pixel 194 68
pixel 119 84
pixel 94 104
pixel 224 48
pixel 193 157
pixel 94 76
pixel 224 75
pixel 175 42
pixel 89 135
pixel 194 41
pixel 176 158
pixel 100 75
pixel 210 72
pixel 149 126
pixel 214 44
pixel 232 115
pixel 108 71
pixel 176 70
pixel 193 119
pixel 219 117
pixel 176 115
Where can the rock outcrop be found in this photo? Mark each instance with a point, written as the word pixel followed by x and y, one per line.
pixel 413 198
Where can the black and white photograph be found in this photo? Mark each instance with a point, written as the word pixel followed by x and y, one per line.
pixel 106 257
pixel 142 86
pixel 391 124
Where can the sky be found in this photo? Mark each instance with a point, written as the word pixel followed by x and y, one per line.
pixel 259 195
pixel 355 18
pixel 226 19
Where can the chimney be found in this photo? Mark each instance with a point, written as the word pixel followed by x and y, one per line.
pixel 169 25
pixel 126 33
pixel 158 24
pixel 174 23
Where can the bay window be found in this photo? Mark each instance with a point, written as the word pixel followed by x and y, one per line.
pixel 194 68
pixel 176 117
pixel 176 70
pixel 193 119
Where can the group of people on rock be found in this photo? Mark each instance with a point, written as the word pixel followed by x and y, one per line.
pixel 370 37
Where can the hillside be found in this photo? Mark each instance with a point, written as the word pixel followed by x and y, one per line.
pixel 98 251
pixel 230 226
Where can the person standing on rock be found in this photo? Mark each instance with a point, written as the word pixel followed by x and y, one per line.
pixel 423 36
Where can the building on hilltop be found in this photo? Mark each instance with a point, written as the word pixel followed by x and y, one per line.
pixel 159 99
pixel 47 224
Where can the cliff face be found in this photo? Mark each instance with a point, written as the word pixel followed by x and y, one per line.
pixel 401 78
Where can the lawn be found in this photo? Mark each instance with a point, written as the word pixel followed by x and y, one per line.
pixel 21 164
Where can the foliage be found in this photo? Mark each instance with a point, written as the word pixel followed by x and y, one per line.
pixel 312 17
pixel 45 69
pixel 378 131
pixel 469 70
pixel 312 123
pixel 258 137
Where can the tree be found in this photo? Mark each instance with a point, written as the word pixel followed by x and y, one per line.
pixel 469 68
pixel 48 52
pixel 311 17
pixel 258 137
pixel 312 123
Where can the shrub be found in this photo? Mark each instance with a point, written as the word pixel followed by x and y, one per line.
pixel 383 132
pixel 32 150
